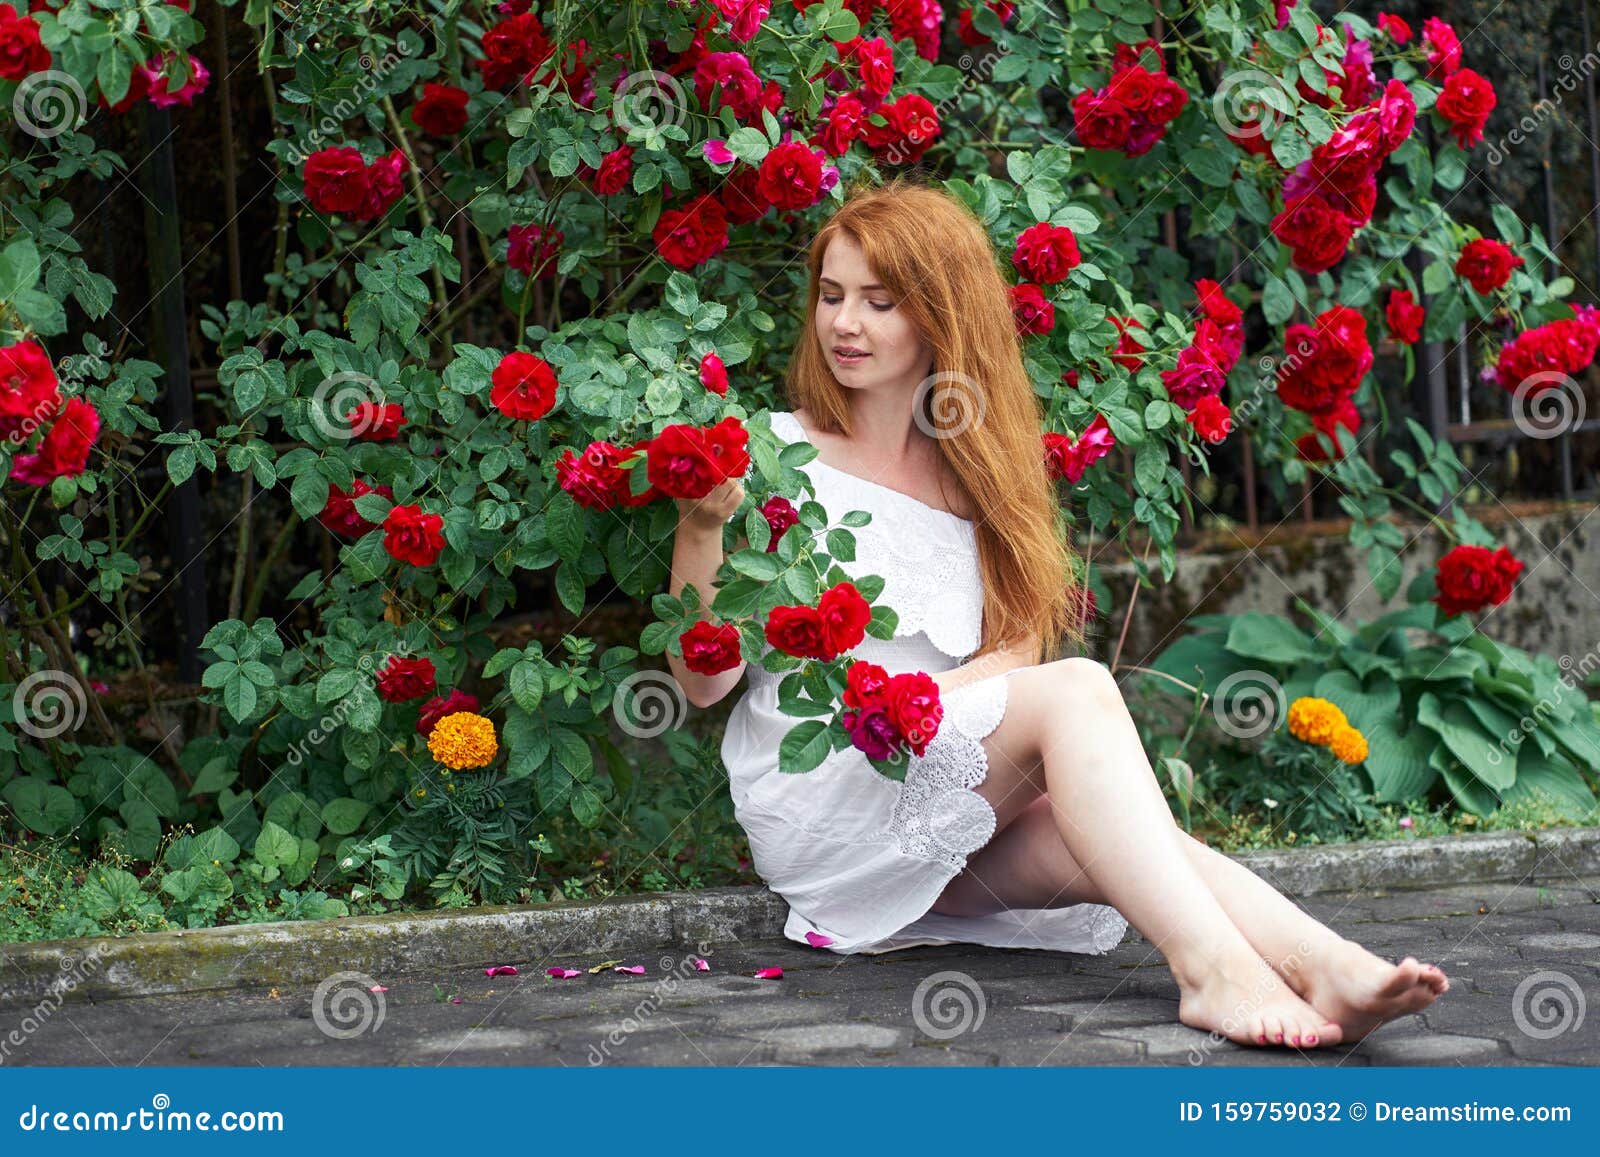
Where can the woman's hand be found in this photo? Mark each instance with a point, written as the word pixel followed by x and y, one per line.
pixel 712 511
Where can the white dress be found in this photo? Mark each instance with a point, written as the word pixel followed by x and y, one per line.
pixel 859 857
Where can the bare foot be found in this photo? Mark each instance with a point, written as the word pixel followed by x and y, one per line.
pixel 1247 1002
pixel 1361 991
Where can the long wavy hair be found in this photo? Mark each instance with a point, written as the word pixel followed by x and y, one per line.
pixel 934 256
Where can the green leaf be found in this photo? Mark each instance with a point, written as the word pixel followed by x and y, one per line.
pixel 1399 767
pixel 275 846
pixel 1269 638
pixel 1277 302
pixel 804 747
pixel 344 815
pixel 1453 723
pixel 19 268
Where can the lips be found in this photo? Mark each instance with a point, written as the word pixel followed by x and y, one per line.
pixel 849 353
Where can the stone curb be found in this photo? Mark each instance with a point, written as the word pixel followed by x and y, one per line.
pixel 290 954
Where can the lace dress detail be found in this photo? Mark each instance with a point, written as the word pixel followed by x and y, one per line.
pixel 859 857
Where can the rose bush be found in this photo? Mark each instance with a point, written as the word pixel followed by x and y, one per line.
pixel 611 199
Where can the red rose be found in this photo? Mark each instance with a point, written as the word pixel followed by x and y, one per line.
pixel 339 514
pixel 1211 419
pixel 1397 115
pixel 744 16
pixel 376 421
pixel 791 176
pixel 1032 312
pixel 694 234
pixel 1444 48
pixel 866 685
pixel 158 83
pixel 436 709
pixel 713 374
pixel 336 180
pixel 29 390
pixel 872 732
pixel 845 615
pixel 530 247
pixel 64 450
pixel 1046 253
pixel 710 650
pixel 1323 365
pixel 741 87
pixel 1129 352
pixel 1487 264
pixel 741 198
pixel 780 515
pixel 1399 31
pixel 411 536
pixel 442 110
pixel 1471 578
pixel 1068 458
pixel 688 462
pixel 20 49
pixel 1216 304
pixel 912 125
pixel 616 170
pixel 915 708
pixel 383 186
pixel 512 50
pixel 1102 121
pixel 403 679
pixel 597 479
pixel 1403 316
pixel 1556 349
pixel 1195 376
pixel 797 631
pixel 1316 233
pixel 1466 101
pixel 845 122
pixel 523 386
pixel 1310 448
pixel 970 36
pixel 920 21
pixel 874 58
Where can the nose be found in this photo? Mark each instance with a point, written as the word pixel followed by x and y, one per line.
pixel 845 319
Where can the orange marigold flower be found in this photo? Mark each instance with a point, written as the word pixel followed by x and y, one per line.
pixel 1349 745
pixel 462 740
pixel 1315 720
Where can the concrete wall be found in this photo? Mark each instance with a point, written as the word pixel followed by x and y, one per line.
pixel 1555 608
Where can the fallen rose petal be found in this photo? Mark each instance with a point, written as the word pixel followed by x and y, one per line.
pixel 701 966
pixel 818 940
pixel 636 969
pixel 501 970
pixel 378 988
pixel 457 1000
pixel 563 973
pixel 769 974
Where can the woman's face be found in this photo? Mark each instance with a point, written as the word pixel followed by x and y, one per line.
pixel 867 339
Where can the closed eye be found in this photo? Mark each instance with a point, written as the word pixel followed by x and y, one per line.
pixel 880 306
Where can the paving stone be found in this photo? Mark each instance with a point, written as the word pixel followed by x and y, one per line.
pixel 1437 1049
pixel 1560 942
pixel 1110 1013
pixel 1170 1039
pixel 826 1037
pixel 1061 1050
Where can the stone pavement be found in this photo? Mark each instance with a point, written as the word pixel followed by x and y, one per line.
pixel 1524 962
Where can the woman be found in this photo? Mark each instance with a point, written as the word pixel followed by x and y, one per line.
pixel 1033 819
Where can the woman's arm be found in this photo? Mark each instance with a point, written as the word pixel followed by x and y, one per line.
pixel 995 663
pixel 696 557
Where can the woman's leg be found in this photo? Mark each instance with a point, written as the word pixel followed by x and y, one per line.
pixel 1066 729
pixel 1029 865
